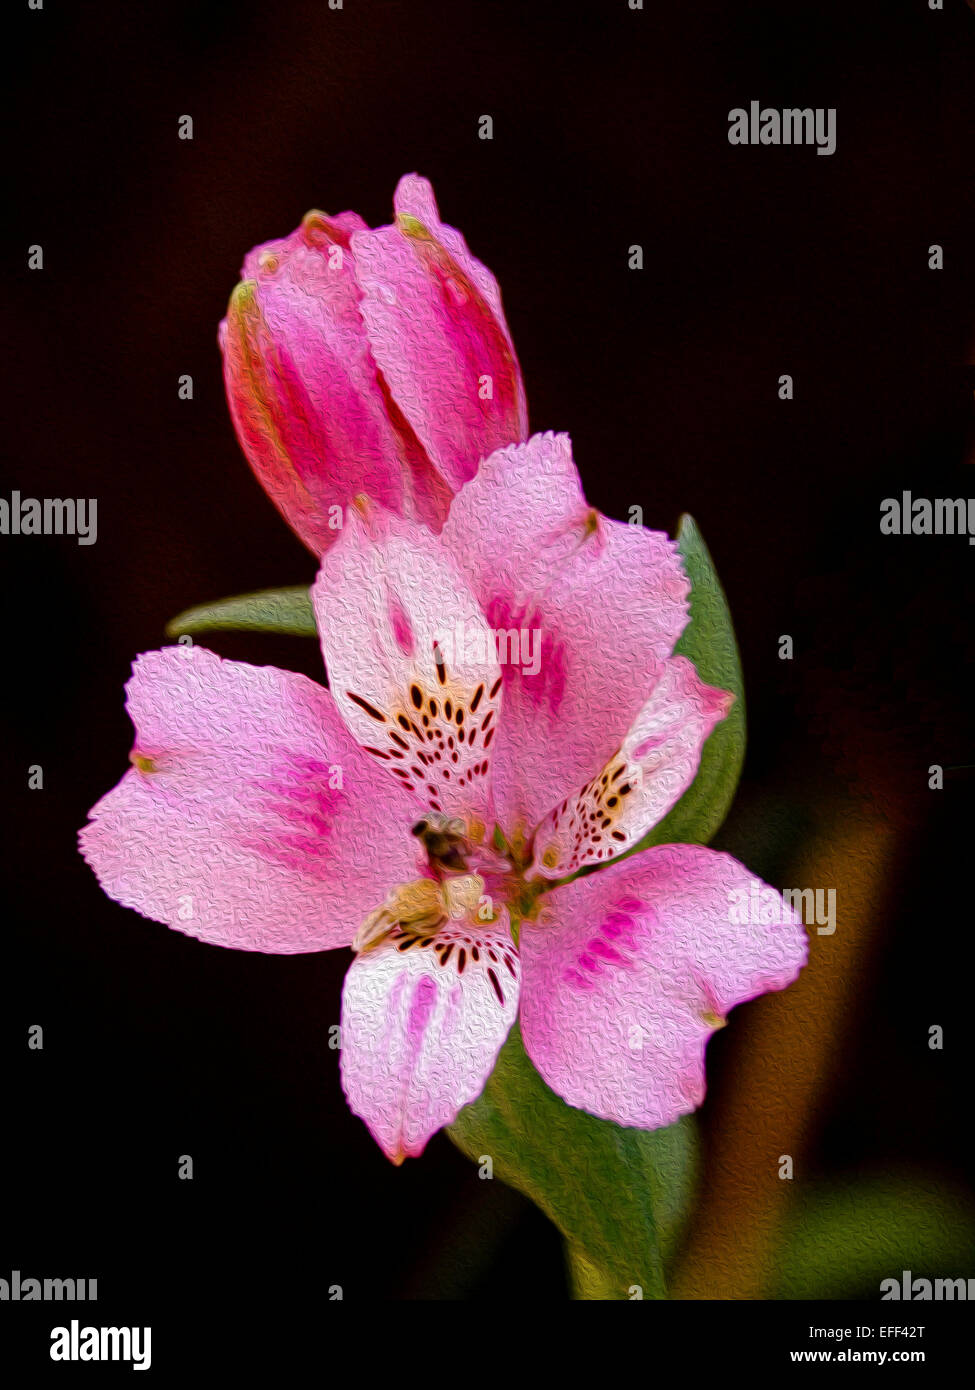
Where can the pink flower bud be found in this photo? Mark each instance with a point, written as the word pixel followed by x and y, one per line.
pixel 369 362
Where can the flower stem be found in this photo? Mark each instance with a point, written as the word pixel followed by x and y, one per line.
pixel 590 1282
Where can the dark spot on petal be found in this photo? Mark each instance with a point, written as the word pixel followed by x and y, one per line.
pixel 369 709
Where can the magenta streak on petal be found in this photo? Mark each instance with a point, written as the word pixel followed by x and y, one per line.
pixel 619 927
pixel 655 741
pixel 597 950
pixel 402 629
pixel 306 434
pixel 298 795
pixel 574 978
pixel 421 1008
pixel 546 687
pixel 602 948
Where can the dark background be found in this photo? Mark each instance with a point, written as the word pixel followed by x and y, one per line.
pixel 610 129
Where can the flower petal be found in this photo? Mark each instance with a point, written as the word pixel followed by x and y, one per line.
pixel 600 603
pixel 437 330
pixel 651 771
pixel 310 412
pixel 423 1020
pixel 628 972
pixel 249 817
pixel 410 661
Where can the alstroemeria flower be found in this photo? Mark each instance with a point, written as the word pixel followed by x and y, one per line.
pixel 433 796
pixel 369 361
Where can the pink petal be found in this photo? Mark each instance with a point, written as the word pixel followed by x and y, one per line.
pixel 608 601
pixel 423 1021
pixel 629 971
pixel 228 826
pixel 388 600
pixel 656 764
pixel 310 412
pixel 436 327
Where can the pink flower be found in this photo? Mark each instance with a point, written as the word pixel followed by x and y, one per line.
pixel 433 794
pixel 369 361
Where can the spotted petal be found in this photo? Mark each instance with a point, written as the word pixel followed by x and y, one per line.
pixel 248 818
pixel 641 782
pixel 628 972
pixel 410 661
pixel 423 1020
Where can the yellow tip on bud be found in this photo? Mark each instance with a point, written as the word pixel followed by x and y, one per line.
pixel 243 299
pixel 412 226
pixel 316 224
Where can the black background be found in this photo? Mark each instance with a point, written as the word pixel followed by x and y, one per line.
pixel 610 129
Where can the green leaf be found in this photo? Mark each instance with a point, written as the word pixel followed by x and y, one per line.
pixel 708 641
pixel 618 1195
pixel 272 610
pixel 841 1242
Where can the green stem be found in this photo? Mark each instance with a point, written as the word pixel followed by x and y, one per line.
pixel 615 1194
pixel 590 1282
